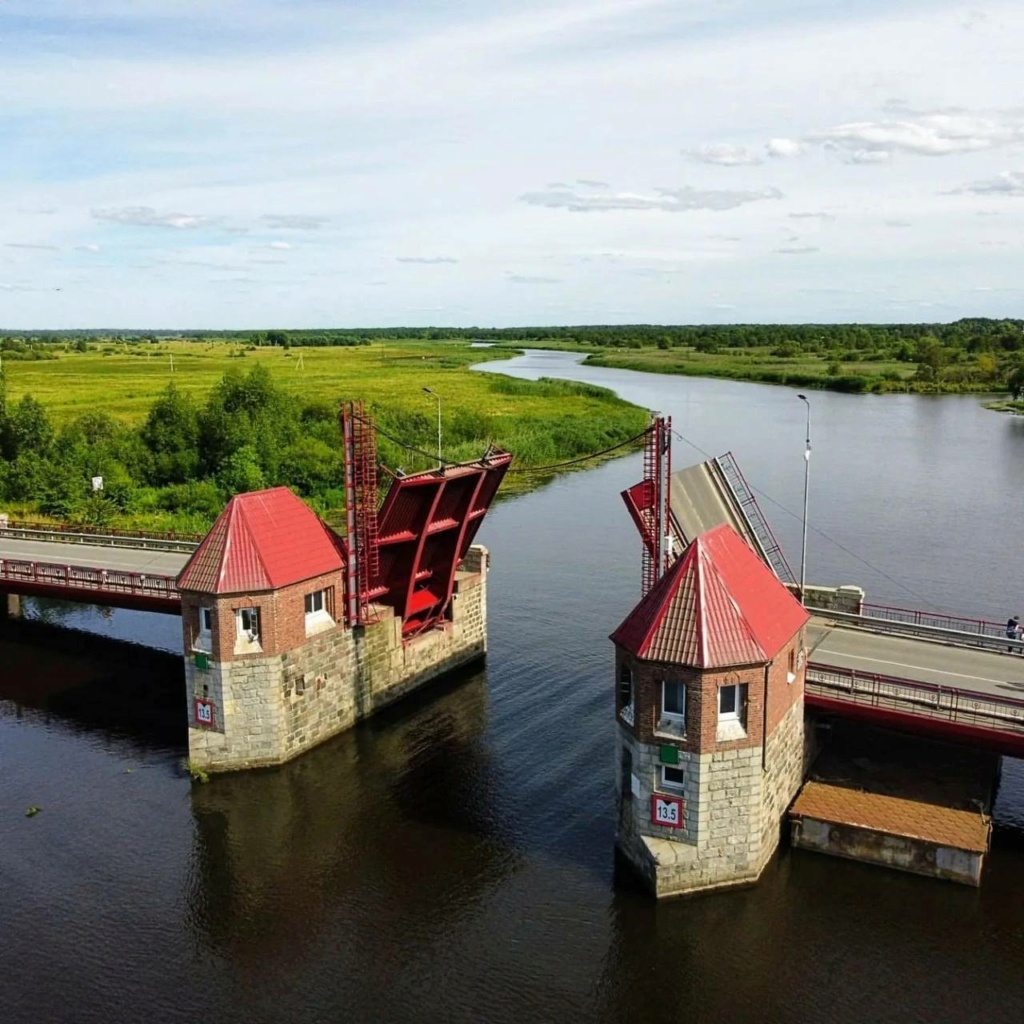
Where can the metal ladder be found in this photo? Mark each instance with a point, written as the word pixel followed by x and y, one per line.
pixel 751 512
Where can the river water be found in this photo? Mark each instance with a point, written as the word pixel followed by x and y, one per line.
pixel 452 859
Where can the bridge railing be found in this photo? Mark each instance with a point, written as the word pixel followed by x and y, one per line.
pixel 989 711
pixel 947 629
pixel 936 620
pixel 77 578
pixel 61 533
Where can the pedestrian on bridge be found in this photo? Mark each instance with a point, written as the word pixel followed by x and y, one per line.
pixel 1013 630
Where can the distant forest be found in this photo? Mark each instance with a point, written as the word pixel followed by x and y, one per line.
pixel 973 354
pixel 881 341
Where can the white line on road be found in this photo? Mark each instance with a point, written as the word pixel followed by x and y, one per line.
pixel 917 668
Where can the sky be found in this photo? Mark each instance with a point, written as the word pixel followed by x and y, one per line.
pixel 345 163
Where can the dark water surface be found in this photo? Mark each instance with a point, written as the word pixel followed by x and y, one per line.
pixel 452 860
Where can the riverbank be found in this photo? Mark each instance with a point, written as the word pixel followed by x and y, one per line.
pixel 867 371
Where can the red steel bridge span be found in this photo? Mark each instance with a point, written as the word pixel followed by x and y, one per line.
pixel 930 674
pixel 922 672
pixel 403 552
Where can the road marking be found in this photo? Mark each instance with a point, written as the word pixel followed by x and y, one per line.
pixel 920 668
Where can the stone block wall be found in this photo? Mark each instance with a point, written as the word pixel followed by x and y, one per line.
pixel 735 794
pixel 848 598
pixel 272 706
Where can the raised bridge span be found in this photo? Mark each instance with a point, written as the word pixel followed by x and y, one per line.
pixel 936 675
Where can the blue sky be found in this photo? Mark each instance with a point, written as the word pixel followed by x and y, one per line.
pixel 461 162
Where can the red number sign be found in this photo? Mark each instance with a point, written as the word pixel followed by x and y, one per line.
pixel 205 713
pixel 667 810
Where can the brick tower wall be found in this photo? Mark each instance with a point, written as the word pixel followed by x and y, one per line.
pixel 269 706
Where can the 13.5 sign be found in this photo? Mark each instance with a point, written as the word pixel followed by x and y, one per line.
pixel 667 810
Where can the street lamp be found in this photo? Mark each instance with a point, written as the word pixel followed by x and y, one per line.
pixel 440 461
pixel 807 481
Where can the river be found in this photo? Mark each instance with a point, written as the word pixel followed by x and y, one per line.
pixel 452 859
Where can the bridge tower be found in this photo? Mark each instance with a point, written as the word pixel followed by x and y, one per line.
pixel 710 718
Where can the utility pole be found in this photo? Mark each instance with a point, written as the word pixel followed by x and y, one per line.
pixel 807 482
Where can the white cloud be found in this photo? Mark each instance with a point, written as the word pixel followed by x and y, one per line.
pixel 430 260
pixel 147 217
pixel 869 156
pixel 533 279
pixel 797 250
pixel 1007 183
pixel 375 135
pixel 279 245
pixel 30 245
pixel 782 149
pixel 668 200
pixel 724 154
pixel 295 221
pixel 87 247
pixel 938 133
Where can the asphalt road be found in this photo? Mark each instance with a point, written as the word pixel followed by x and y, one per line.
pixel 963 668
pixel 159 563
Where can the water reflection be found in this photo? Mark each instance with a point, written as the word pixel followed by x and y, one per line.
pixel 80 681
pixel 389 829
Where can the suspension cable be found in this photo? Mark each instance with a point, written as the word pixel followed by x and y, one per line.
pixel 821 533
pixel 524 469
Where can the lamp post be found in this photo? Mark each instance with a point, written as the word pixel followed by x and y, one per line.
pixel 440 461
pixel 807 481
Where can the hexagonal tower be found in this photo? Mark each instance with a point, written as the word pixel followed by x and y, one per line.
pixel 709 705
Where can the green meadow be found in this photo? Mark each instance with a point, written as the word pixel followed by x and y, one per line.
pixel 176 427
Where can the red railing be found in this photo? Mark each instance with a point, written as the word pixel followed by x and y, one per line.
pixel 45 576
pixel 934 620
pixel 98 531
pixel 910 697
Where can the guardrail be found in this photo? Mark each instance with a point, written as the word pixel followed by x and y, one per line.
pixel 62 534
pixel 101 581
pixel 936 620
pixel 993 640
pixel 928 700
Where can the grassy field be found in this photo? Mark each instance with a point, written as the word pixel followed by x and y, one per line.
pixel 541 423
pixel 123 380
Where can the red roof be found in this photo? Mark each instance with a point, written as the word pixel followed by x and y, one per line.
pixel 718 605
pixel 263 540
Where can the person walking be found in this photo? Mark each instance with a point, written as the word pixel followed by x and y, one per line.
pixel 1013 630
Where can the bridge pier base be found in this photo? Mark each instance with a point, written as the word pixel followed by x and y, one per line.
pixel 267 680
pixel 902 802
pixel 10 606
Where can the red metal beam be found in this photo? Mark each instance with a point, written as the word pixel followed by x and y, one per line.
pixel 1001 742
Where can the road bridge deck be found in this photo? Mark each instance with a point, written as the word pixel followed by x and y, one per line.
pixel 95 556
pixel 916 659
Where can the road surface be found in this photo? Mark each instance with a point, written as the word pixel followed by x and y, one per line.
pixel 96 556
pixel 961 668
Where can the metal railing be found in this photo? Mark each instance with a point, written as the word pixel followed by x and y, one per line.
pixel 79 579
pixel 928 700
pixel 935 620
pixel 959 634
pixel 744 497
pixel 64 534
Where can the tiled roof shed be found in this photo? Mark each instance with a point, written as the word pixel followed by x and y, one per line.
pixel 717 606
pixel 263 540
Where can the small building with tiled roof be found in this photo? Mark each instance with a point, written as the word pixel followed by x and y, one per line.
pixel 263 540
pixel 709 706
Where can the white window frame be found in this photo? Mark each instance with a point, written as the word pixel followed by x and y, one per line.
pixel 247 640
pixel 667 785
pixel 626 709
pixel 678 717
pixel 204 638
pixel 734 715
pixel 318 618
pixel 731 725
